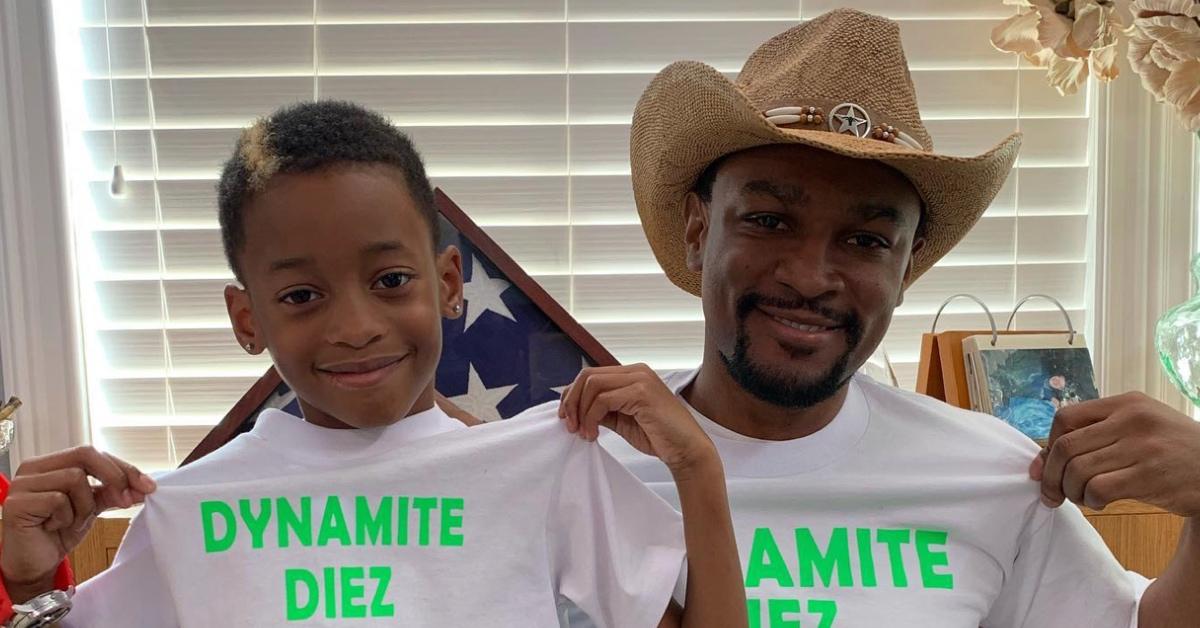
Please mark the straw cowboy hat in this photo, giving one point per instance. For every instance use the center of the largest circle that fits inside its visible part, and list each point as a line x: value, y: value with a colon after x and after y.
x: 839, y: 83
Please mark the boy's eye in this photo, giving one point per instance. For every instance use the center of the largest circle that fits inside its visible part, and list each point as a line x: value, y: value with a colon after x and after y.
x: 300, y: 296
x: 392, y: 280
x: 766, y: 221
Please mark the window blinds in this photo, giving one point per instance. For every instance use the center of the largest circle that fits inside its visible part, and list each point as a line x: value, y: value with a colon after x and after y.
x: 521, y: 109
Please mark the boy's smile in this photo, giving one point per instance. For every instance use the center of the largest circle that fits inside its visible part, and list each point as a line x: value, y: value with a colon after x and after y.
x: 361, y: 373
x: 345, y: 291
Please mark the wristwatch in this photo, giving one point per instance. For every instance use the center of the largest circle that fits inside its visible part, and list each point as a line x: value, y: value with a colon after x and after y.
x: 41, y: 611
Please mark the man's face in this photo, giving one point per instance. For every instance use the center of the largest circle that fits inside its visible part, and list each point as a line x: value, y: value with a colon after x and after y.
x: 803, y: 255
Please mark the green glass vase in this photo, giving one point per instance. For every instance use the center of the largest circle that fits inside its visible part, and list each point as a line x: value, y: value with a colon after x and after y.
x: 1177, y: 339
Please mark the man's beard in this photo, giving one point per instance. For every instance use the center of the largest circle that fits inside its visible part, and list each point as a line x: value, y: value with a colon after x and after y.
x: 780, y: 388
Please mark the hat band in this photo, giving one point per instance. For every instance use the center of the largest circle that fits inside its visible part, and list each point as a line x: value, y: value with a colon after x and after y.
x: 844, y: 119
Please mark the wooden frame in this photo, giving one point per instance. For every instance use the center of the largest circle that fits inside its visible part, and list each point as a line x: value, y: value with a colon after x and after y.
x: 236, y: 420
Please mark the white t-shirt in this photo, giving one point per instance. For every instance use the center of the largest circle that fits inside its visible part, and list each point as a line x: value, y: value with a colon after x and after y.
x: 423, y: 523
x: 903, y: 511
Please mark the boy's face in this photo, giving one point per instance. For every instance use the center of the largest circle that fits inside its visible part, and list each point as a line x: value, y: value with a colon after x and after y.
x: 344, y: 290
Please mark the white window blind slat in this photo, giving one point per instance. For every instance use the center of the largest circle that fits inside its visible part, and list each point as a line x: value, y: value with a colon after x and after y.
x: 443, y: 11
x: 617, y: 10
x: 542, y: 200
x: 153, y: 447
x: 491, y: 47
x: 231, y: 50
x: 493, y: 99
x: 162, y: 12
x: 513, y: 201
x: 914, y: 9
x: 521, y: 109
x: 542, y: 149
x: 514, y: 98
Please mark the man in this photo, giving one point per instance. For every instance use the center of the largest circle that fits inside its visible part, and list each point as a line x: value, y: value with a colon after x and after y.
x: 800, y: 203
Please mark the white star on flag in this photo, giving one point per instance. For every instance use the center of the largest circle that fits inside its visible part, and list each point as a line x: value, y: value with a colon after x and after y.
x: 482, y: 293
x: 481, y: 401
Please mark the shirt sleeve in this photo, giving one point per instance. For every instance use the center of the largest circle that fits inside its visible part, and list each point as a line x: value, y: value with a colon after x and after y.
x: 1064, y: 575
x: 131, y: 592
x: 616, y: 547
x: 1140, y: 583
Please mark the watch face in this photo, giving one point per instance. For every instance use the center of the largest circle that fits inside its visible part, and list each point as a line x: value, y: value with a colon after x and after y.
x: 42, y: 610
x: 6, y: 434
x: 6, y: 422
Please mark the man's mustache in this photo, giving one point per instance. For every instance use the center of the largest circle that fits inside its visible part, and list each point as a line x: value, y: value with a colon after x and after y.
x: 751, y: 301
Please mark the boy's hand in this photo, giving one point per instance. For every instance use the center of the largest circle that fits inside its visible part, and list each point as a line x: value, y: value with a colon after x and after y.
x: 50, y: 508
x: 633, y: 402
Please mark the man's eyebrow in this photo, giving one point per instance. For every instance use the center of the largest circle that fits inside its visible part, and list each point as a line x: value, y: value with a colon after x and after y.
x: 786, y: 194
x: 874, y: 211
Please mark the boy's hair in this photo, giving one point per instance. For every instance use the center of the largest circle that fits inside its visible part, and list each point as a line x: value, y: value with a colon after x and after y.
x: 306, y: 137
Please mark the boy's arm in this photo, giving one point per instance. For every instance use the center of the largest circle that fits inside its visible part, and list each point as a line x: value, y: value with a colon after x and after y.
x: 673, y: 618
x: 633, y: 402
x: 713, y: 565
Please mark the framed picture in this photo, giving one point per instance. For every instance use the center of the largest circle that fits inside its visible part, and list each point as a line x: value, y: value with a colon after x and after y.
x: 1025, y: 379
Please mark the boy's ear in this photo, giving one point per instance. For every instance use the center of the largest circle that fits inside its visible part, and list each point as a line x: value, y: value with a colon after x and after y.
x: 241, y: 316
x: 450, y: 282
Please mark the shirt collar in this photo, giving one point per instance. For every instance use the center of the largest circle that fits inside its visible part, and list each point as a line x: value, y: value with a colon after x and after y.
x: 295, y: 436
x: 745, y: 456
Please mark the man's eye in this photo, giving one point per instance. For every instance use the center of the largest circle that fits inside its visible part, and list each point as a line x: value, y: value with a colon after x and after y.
x: 767, y: 221
x: 299, y: 297
x: 393, y: 280
x: 870, y: 242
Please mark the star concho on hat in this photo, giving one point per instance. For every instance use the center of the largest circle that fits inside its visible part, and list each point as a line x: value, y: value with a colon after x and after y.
x: 851, y: 119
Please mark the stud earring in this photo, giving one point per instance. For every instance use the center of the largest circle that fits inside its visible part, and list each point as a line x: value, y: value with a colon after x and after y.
x: 249, y: 347
x: 458, y: 308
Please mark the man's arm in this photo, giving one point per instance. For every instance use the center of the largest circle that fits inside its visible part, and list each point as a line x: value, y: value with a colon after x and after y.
x: 1133, y: 447
x: 1174, y: 598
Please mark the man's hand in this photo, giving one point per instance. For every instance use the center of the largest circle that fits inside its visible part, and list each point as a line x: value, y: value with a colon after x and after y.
x: 51, y: 507
x: 633, y: 402
x: 1124, y: 447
